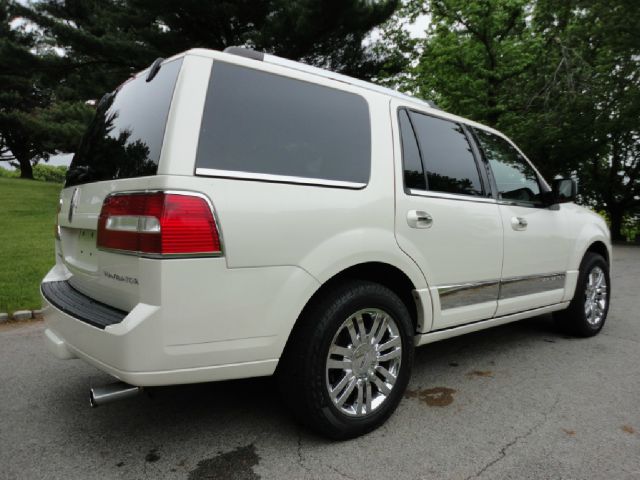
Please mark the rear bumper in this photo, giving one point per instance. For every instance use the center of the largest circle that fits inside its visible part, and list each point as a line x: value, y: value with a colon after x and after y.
x: 64, y: 351
x: 228, y: 333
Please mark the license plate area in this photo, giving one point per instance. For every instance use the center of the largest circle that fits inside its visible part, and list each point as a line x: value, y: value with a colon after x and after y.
x: 79, y: 248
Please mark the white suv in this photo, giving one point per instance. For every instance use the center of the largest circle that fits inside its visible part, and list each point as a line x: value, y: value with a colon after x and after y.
x: 237, y: 214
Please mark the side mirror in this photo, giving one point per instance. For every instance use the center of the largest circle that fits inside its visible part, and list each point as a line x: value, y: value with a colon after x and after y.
x: 564, y: 190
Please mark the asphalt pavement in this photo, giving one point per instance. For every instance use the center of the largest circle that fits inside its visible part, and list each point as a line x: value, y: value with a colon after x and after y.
x: 515, y: 402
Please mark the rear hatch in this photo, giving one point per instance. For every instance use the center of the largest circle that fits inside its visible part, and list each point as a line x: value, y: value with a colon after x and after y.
x: 120, y: 151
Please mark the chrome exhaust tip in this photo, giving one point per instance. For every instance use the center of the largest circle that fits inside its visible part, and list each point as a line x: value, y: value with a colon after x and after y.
x: 112, y: 393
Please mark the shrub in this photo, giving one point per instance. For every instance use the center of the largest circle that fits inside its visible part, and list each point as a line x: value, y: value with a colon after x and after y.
x: 49, y: 173
x: 630, y: 226
x: 4, y: 173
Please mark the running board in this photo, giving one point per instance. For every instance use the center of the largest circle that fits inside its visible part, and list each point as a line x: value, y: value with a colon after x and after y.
x: 483, y: 324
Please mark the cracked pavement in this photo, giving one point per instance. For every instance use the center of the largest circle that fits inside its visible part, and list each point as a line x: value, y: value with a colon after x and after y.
x: 527, y: 402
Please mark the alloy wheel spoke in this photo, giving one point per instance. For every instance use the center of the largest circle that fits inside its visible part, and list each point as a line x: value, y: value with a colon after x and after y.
x: 360, y: 399
x: 338, y: 364
x: 362, y: 332
x: 395, y: 353
x: 347, y: 392
x: 367, y: 395
x: 375, y: 325
x: 342, y: 351
x: 355, y: 341
x: 394, y: 342
x: 340, y: 386
x: 384, y: 389
x: 381, y: 330
x: 389, y: 377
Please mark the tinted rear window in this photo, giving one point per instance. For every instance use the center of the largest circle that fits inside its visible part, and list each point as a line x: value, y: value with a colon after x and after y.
x: 125, y: 136
x: 265, y: 124
x: 447, y: 156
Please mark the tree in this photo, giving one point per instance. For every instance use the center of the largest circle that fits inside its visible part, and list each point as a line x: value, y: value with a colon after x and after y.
x: 562, y: 78
x: 31, y: 126
x: 74, y: 50
x: 597, y: 54
x: 106, y: 40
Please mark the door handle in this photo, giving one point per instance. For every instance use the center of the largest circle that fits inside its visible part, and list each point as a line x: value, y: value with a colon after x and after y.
x: 519, y: 223
x: 419, y: 219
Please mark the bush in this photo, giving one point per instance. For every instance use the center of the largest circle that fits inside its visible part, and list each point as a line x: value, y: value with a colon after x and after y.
x: 630, y: 226
x: 49, y: 173
x: 4, y: 173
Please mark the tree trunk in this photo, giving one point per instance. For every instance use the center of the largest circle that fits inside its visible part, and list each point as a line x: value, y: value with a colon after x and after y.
x: 26, y: 170
x: 615, y: 215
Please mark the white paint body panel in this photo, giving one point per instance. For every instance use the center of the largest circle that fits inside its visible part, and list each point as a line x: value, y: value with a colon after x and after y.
x: 204, y: 319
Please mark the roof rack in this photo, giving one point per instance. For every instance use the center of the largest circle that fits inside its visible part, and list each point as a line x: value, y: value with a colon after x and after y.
x: 303, y: 67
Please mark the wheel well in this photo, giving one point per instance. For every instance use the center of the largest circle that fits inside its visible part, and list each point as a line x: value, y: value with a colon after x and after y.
x: 391, y: 277
x: 599, y: 248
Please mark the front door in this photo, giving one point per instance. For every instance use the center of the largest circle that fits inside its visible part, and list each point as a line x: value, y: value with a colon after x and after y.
x: 445, y: 219
x: 536, y: 244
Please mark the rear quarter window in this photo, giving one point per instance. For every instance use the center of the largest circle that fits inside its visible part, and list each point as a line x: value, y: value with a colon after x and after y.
x: 282, y: 129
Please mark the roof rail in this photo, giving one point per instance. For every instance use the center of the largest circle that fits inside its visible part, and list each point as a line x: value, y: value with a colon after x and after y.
x: 245, y: 52
x: 303, y: 67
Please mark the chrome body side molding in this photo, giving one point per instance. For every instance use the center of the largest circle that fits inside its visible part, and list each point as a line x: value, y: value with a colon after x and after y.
x: 518, y: 286
x: 461, y: 295
x: 465, y: 294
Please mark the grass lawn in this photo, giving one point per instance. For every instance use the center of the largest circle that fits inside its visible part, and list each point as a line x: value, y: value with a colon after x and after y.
x: 27, y: 217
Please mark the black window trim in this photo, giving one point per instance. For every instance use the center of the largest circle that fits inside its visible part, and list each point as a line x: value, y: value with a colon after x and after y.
x: 542, y: 184
x: 287, y: 179
x: 415, y: 138
x: 489, y: 194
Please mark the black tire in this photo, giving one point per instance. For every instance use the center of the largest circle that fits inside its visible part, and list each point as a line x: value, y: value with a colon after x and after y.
x: 303, y: 376
x: 574, y: 320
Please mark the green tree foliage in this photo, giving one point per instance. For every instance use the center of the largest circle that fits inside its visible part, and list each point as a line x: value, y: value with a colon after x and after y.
x: 32, y: 125
x: 79, y: 50
x: 107, y: 40
x: 561, y: 77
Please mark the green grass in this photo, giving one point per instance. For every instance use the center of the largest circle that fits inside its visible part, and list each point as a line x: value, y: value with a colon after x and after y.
x: 27, y: 217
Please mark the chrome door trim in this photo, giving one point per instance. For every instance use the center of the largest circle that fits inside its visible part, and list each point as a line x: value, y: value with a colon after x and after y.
x: 450, y: 196
x: 531, y: 284
x: 463, y: 294
x: 471, y: 293
x: 213, y: 172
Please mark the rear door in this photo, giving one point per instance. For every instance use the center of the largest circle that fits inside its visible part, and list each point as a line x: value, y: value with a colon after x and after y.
x: 536, y: 242
x: 446, y: 220
x: 120, y: 151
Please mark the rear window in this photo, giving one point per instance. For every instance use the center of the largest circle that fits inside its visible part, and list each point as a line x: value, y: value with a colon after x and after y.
x: 265, y: 126
x: 125, y: 137
x: 447, y: 156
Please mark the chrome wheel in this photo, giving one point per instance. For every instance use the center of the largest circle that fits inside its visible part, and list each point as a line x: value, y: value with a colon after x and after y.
x: 363, y: 362
x: 595, y: 296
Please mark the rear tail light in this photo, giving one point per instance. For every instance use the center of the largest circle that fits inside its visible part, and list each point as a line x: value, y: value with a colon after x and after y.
x: 158, y: 224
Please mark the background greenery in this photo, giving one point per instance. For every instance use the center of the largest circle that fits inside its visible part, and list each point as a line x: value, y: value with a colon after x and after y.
x: 561, y: 77
x: 26, y: 225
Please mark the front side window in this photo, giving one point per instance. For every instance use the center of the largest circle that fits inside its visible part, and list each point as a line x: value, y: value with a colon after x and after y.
x: 446, y: 155
x: 515, y: 178
x: 272, y: 126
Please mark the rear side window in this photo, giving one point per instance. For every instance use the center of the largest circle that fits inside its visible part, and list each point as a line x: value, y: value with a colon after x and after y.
x: 515, y: 178
x: 446, y: 155
x: 125, y: 137
x: 267, y: 126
